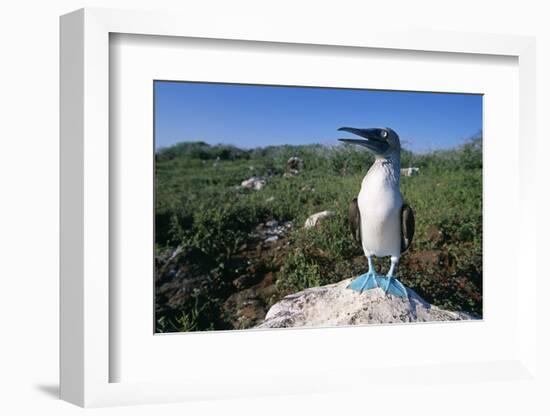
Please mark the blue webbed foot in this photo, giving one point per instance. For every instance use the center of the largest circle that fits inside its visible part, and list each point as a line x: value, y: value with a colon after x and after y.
x: 391, y: 285
x: 364, y: 282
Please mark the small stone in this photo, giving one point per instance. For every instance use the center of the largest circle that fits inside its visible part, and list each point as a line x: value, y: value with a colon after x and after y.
x: 410, y: 171
x: 315, y: 219
x: 254, y: 182
x: 272, y: 223
x: 295, y: 164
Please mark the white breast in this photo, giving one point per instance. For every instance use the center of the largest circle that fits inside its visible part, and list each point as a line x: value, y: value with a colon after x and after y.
x: 380, y: 203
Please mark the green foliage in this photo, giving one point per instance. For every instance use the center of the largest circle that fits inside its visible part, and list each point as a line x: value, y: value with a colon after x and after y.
x: 201, y: 151
x: 300, y: 271
x: 467, y: 156
x: 201, y: 209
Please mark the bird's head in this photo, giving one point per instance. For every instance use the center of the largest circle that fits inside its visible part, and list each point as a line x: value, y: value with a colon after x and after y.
x: 383, y: 142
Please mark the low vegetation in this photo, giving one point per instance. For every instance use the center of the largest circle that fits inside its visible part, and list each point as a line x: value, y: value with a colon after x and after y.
x: 213, y: 272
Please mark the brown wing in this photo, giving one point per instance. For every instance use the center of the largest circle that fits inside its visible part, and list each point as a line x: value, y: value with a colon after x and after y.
x: 355, y: 220
x: 407, y: 227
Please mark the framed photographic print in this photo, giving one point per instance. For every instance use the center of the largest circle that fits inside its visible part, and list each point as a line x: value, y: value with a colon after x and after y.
x: 251, y: 214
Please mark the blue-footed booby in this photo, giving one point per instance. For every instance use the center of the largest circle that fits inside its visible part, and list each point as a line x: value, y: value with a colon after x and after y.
x: 379, y: 220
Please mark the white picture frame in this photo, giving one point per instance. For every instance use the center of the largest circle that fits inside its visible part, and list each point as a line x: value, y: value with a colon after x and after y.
x: 86, y: 354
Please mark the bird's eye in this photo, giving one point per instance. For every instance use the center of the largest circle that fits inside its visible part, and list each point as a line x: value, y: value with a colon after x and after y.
x: 384, y: 134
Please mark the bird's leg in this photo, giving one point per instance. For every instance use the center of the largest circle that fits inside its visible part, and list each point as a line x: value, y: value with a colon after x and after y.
x: 365, y: 281
x: 392, y: 285
x: 371, y: 265
x: 393, y: 266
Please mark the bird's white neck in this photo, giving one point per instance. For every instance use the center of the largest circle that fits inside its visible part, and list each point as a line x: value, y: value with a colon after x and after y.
x: 389, y: 166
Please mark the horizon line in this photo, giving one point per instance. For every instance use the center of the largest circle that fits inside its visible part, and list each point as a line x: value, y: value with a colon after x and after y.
x: 474, y: 136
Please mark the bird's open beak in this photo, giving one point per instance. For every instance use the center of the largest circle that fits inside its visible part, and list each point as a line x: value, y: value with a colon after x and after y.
x: 374, y: 139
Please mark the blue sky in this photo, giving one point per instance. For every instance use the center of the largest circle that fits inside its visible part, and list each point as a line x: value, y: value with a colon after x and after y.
x: 255, y: 116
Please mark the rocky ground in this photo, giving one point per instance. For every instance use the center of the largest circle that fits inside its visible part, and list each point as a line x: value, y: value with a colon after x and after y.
x: 254, y: 292
x: 247, y: 296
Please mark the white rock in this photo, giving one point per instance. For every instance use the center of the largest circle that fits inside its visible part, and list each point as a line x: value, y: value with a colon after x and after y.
x: 271, y: 239
x: 335, y: 305
x: 254, y: 182
x: 315, y: 219
x: 410, y: 171
x: 295, y: 164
